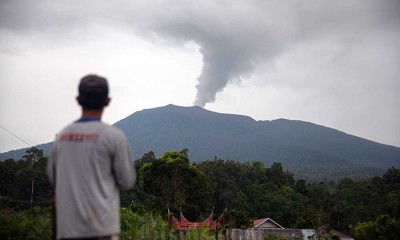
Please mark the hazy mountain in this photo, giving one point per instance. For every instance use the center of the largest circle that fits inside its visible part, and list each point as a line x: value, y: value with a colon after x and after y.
x: 310, y: 151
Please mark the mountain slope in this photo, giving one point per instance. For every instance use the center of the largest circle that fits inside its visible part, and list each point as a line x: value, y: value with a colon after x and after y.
x: 309, y: 150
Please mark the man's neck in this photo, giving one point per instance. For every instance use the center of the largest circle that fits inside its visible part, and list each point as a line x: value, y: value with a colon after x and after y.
x: 92, y: 113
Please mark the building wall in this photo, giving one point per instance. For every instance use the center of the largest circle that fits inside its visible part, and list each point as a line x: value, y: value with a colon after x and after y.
x: 259, y: 234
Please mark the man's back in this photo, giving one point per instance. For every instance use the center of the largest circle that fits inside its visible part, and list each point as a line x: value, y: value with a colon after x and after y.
x: 90, y: 162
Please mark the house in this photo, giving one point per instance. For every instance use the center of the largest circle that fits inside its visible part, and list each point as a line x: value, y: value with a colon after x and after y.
x: 287, y: 233
x: 266, y: 223
x: 261, y: 233
x: 265, y: 226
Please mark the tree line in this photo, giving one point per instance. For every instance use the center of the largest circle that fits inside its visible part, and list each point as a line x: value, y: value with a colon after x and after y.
x: 242, y: 191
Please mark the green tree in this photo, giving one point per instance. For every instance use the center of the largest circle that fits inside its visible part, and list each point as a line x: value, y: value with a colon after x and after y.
x: 392, y: 177
x: 285, y: 205
x: 40, y: 186
x: 321, y: 196
x: 148, y: 157
x: 393, y: 203
x: 301, y: 186
x: 30, y: 181
x: 31, y: 224
x: 236, y: 218
x: 278, y: 176
x: 309, y: 218
x: 225, y: 184
x: 383, y: 228
x: 175, y: 182
x: 8, y: 169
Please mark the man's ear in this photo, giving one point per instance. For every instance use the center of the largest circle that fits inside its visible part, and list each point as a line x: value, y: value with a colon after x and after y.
x: 107, y: 101
x: 79, y: 100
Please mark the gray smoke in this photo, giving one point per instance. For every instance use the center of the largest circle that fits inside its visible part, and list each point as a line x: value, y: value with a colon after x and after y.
x: 235, y: 37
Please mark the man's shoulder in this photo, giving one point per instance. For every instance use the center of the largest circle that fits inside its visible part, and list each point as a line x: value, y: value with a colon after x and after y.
x: 98, y: 126
x: 95, y: 126
x: 112, y: 130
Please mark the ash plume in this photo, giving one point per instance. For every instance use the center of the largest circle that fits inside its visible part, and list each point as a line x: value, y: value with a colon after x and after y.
x: 234, y: 37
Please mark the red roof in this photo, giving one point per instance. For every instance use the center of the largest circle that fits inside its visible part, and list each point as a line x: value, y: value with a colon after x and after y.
x: 184, y: 224
x: 259, y: 221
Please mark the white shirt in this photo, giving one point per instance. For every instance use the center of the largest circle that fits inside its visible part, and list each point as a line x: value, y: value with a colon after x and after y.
x: 89, y: 163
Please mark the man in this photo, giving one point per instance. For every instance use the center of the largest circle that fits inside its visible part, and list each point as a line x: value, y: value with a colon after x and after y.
x: 89, y: 163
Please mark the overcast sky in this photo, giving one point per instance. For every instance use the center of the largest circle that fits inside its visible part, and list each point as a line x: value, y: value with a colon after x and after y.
x: 333, y: 63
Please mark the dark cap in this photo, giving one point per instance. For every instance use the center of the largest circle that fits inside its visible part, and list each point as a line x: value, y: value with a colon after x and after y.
x: 93, y: 91
x: 93, y: 83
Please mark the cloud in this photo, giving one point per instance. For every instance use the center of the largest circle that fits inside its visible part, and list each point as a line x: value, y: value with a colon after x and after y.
x: 231, y: 44
x: 234, y: 37
x: 340, y: 57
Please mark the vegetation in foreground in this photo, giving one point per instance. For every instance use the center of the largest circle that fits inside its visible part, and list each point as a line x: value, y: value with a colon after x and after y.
x: 366, y: 209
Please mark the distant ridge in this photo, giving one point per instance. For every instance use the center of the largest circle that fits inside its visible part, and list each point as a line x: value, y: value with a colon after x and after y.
x: 19, y: 153
x: 310, y: 151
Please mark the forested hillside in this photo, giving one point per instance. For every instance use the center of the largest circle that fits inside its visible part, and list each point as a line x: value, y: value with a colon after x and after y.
x: 242, y: 191
x: 310, y: 151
